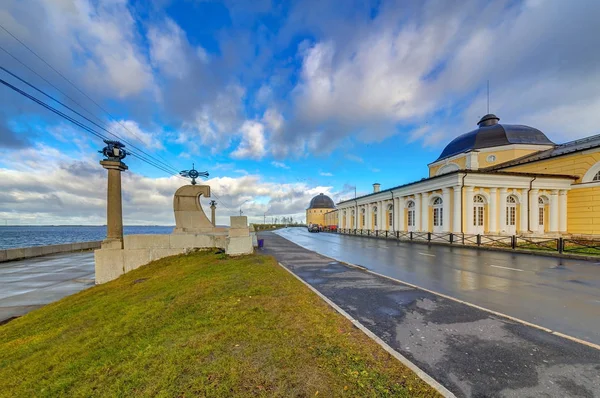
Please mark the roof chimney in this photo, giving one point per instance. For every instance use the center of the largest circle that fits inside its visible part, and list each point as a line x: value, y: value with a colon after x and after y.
x: 376, y: 187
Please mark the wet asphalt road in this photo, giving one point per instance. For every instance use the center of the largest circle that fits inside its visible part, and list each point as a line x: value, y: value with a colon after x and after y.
x: 470, y: 351
x: 560, y: 294
x: 32, y: 283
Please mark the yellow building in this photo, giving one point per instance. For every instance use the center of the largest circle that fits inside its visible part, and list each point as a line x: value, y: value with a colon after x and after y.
x: 319, y: 206
x: 498, y: 179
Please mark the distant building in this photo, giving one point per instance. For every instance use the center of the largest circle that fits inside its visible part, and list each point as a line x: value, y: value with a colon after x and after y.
x: 319, y: 206
x: 496, y: 179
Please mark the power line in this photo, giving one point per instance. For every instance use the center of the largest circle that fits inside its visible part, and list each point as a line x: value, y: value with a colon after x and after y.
x: 71, y: 83
x: 84, y: 117
x: 79, y: 124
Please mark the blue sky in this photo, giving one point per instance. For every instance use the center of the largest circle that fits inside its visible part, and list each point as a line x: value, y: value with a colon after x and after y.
x: 279, y: 101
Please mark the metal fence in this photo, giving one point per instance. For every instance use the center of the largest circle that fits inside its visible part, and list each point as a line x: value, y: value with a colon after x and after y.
x: 582, y: 246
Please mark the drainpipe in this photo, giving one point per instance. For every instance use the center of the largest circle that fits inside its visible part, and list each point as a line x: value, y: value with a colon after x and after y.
x: 462, y: 217
x: 529, y: 206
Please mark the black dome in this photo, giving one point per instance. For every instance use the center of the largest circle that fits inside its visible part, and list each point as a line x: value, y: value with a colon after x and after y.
x: 490, y: 134
x: 321, y: 202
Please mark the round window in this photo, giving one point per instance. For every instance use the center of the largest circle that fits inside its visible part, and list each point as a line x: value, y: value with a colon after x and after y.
x: 491, y: 158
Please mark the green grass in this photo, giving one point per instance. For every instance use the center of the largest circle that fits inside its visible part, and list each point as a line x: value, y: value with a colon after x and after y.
x: 197, y: 325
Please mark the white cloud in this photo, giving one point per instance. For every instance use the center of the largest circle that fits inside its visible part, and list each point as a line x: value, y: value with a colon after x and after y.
x: 169, y: 50
x: 279, y: 165
x: 325, y: 174
x: 354, y: 158
x: 131, y: 131
x: 253, y: 144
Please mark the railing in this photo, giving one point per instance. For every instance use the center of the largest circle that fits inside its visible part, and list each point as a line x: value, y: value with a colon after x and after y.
x: 580, y: 246
x: 575, y: 245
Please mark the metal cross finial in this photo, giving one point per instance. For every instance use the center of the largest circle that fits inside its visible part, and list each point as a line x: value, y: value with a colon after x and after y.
x: 193, y: 174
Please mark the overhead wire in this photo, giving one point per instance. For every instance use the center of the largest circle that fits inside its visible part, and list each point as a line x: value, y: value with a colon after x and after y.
x: 71, y: 83
x: 159, y: 164
x: 84, y: 117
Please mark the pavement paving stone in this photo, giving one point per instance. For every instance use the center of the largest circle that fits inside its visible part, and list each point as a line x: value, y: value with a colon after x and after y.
x: 470, y: 351
x: 29, y: 284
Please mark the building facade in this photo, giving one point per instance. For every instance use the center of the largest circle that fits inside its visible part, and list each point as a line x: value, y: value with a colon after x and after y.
x: 499, y: 180
x: 319, y: 206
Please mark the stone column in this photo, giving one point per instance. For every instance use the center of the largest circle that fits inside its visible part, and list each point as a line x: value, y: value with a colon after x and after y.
x: 492, y: 222
x: 446, y: 210
x: 524, y: 208
x: 457, y: 216
x: 534, y: 195
x: 562, y: 210
x: 418, y: 200
x: 425, y: 212
x: 553, y: 227
x: 469, y: 209
x: 213, y: 208
x: 503, y: 195
x: 114, y: 205
x: 399, y: 210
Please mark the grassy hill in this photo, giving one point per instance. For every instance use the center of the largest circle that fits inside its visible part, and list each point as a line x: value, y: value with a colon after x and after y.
x: 197, y: 325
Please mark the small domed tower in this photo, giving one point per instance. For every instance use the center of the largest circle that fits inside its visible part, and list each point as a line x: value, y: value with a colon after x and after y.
x: 319, y: 205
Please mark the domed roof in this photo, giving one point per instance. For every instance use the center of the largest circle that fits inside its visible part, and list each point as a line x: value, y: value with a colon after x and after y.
x: 321, y: 202
x: 490, y: 134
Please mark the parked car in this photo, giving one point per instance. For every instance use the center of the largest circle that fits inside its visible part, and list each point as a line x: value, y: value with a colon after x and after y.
x: 313, y: 228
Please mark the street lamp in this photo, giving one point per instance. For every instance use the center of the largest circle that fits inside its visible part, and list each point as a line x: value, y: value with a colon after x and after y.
x: 247, y: 200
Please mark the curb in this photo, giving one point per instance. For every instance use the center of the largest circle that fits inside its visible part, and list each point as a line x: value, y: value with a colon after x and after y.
x: 405, y: 361
x: 512, y: 318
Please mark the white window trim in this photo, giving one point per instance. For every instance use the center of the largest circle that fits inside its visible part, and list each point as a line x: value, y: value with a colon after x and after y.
x: 587, y: 177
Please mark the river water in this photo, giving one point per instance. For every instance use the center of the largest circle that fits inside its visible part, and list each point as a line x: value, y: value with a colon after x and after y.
x: 25, y: 236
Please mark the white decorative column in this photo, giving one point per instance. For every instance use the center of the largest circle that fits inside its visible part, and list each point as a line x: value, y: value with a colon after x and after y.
x: 425, y: 212
x: 562, y: 211
x: 524, y: 210
x: 503, y: 195
x: 469, y: 209
x: 418, y: 202
x: 534, y: 195
x: 493, y: 224
x: 339, y: 221
x: 457, y: 216
x: 553, y: 227
x: 446, y: 210
x: 399, y: 209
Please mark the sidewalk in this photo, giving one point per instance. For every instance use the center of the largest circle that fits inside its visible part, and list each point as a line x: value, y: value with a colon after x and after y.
x: 469, y: 351
x: 32, y: 283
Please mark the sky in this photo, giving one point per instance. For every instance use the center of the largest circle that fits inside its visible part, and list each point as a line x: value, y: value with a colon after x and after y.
x: 278, y: 101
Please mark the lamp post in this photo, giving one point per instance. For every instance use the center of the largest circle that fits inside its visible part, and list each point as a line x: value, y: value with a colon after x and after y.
x: 247, y: 200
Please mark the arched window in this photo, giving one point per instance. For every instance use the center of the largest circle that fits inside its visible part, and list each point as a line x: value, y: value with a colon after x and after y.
x: 592, y: 174
x: 448, y: 168
x: 596, y: 177
x: 478, y: 208
x: 362, y: 218
x: 438, y: 219
x: 375, y: 216
x: 390, y: 210
x: 411, y: 213
x: 511, y: 213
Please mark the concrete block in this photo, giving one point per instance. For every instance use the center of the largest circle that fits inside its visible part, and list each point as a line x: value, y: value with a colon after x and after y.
x: 132, y: 242
x: 48, y: 249
x: 2, y: 255
x: 14, y: 254
x: 135, y: 258
x: 238, y: 221
x: 236, y: 232
x: 156, y: 254
x: 112, y: 244
x: 237, y: 246
x: 108, y: 264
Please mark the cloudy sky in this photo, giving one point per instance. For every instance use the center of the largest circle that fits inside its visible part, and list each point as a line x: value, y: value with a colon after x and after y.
x: 279, y: 101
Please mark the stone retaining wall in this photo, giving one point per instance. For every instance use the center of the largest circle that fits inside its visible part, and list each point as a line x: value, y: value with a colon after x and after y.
x: 36, y: 251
